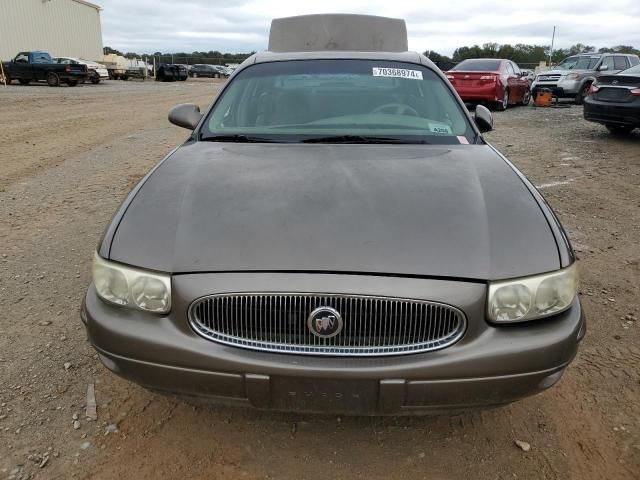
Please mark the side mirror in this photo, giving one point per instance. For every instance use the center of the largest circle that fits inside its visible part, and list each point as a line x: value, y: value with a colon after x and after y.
x: 483, y: 119
x: 185, y: 115
x: 603, y: 67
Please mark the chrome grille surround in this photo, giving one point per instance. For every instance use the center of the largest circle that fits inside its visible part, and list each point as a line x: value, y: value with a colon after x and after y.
x: 373, y: 326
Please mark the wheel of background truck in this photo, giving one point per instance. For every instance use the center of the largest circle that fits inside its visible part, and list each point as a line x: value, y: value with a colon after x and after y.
x: 95, y: 80
x: 72, y: 83
x: 526, y: 99
x: 52, y: 79
x: 582, y: 94
x: 619, y: 129
x: 504, y: 104
x: 7, y: 79
x: 24, y: 81
x: 124, y: 77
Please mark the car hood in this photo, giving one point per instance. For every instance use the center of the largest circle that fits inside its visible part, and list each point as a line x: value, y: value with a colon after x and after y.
x: 442, y: 211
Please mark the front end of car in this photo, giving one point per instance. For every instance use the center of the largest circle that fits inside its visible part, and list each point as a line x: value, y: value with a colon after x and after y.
x: 336, y: 237
x: 379, y: 345
x: 563, y: 84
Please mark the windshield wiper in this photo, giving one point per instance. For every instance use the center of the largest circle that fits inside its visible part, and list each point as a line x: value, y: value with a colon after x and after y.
x: 237, y: 138
x: 360, y: 139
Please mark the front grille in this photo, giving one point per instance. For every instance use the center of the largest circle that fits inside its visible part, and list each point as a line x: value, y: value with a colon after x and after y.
x: 549, y: 78
x: 371, y: 325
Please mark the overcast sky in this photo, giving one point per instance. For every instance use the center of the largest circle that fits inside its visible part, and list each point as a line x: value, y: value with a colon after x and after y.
x: 146, y: 26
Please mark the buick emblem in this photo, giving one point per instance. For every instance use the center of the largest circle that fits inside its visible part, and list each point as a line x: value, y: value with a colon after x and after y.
x: 615, y: 82
x: 325, y: 322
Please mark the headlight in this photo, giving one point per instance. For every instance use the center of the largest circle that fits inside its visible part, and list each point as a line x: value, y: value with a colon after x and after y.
x: 530, y: 298
x: 131, y: 287
x: 572, y: 76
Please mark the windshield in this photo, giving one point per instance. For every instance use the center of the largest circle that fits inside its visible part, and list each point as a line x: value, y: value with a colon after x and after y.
x: 631, y: 71
x: 578, y: 63
x: 356, y: 100
x: 477, y: 65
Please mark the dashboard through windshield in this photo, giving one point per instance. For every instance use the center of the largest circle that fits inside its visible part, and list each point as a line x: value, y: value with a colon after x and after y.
x: 338, y: 101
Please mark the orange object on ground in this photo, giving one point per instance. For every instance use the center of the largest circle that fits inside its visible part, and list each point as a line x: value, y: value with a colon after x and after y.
x: 544, y: 99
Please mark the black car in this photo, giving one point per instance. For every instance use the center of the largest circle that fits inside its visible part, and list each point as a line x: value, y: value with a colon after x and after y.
x: 203, y: 70
x: 614, y: 101
x: 169, y: 72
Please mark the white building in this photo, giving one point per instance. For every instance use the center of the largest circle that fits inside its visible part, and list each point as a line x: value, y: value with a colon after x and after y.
x: 66, y: 28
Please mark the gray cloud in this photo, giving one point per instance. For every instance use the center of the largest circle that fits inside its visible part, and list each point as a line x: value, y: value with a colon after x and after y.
x: 146, y: 26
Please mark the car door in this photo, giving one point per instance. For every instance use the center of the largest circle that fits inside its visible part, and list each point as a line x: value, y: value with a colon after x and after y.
x: 512, y: 83
x: 523, y: 83
x: 608, y: 63
x: 22, y: 67
x: 620, y: 62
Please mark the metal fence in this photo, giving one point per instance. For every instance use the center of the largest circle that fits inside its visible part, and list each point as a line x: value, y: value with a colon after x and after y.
x: 191, y: 60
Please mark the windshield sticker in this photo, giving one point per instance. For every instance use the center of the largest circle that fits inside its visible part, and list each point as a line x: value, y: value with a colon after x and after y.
x: 463, y: 140
x: 440, y: 128
x: 397, y: 73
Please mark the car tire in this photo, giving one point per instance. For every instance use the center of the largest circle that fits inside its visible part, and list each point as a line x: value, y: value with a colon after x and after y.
x: 582, y: 94
x: 24, y: 81
x: 95, y: 81
x: 53, y: 80
x: 619, y: 129
x: 72, y: 83
x: 526, y: 99
x: 7, y: 79
x: 504, y: 104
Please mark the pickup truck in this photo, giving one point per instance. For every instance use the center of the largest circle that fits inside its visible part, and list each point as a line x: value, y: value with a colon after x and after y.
x: 27, y: 67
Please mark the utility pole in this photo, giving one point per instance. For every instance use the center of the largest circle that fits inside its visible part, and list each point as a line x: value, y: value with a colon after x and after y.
x: 553, y: 38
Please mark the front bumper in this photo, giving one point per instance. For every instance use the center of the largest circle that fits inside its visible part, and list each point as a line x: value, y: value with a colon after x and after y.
x: 489, y: 366
x: 560, y: 89
x: 611, y: 113
x: 102, y: 73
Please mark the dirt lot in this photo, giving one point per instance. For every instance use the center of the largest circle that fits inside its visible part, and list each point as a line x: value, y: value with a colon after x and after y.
x: 69, y: 156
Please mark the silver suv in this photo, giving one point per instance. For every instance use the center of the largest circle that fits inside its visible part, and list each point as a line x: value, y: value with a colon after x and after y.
x: 573, y: 77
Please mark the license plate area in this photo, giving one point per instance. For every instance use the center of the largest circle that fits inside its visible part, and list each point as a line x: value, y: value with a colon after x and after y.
x: 324, y: 395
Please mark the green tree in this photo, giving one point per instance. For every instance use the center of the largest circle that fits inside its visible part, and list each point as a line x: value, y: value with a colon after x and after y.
x: 109, y: 50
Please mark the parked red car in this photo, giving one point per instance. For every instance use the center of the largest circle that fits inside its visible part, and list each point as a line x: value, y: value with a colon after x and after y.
x: 490, y: 80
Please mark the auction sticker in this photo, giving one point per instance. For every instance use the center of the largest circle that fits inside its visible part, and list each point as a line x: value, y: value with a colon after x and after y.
x: 397, y: 73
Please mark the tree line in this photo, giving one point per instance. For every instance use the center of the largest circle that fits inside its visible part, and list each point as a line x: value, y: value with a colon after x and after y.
x: 213, y: 57
x: 522, y: 54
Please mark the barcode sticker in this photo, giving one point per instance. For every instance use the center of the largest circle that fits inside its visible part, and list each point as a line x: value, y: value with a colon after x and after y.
x: 397, y: 73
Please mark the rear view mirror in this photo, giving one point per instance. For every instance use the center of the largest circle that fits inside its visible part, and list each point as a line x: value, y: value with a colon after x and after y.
x: 483, y: 119
x: 603, y: 67
x: 185, y: 115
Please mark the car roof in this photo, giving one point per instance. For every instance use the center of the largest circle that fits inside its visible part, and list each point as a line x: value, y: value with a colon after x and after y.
x: 487, y: 58
x: 410, y: 57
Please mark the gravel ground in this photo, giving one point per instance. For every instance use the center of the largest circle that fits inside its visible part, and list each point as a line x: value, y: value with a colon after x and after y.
x: 70, y: 155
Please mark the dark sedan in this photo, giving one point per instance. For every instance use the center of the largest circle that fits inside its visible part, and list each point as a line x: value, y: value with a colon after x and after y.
x: 204, y: 70
x: 170, y: 72
x: 336, y: 235
x: 614, y: 101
